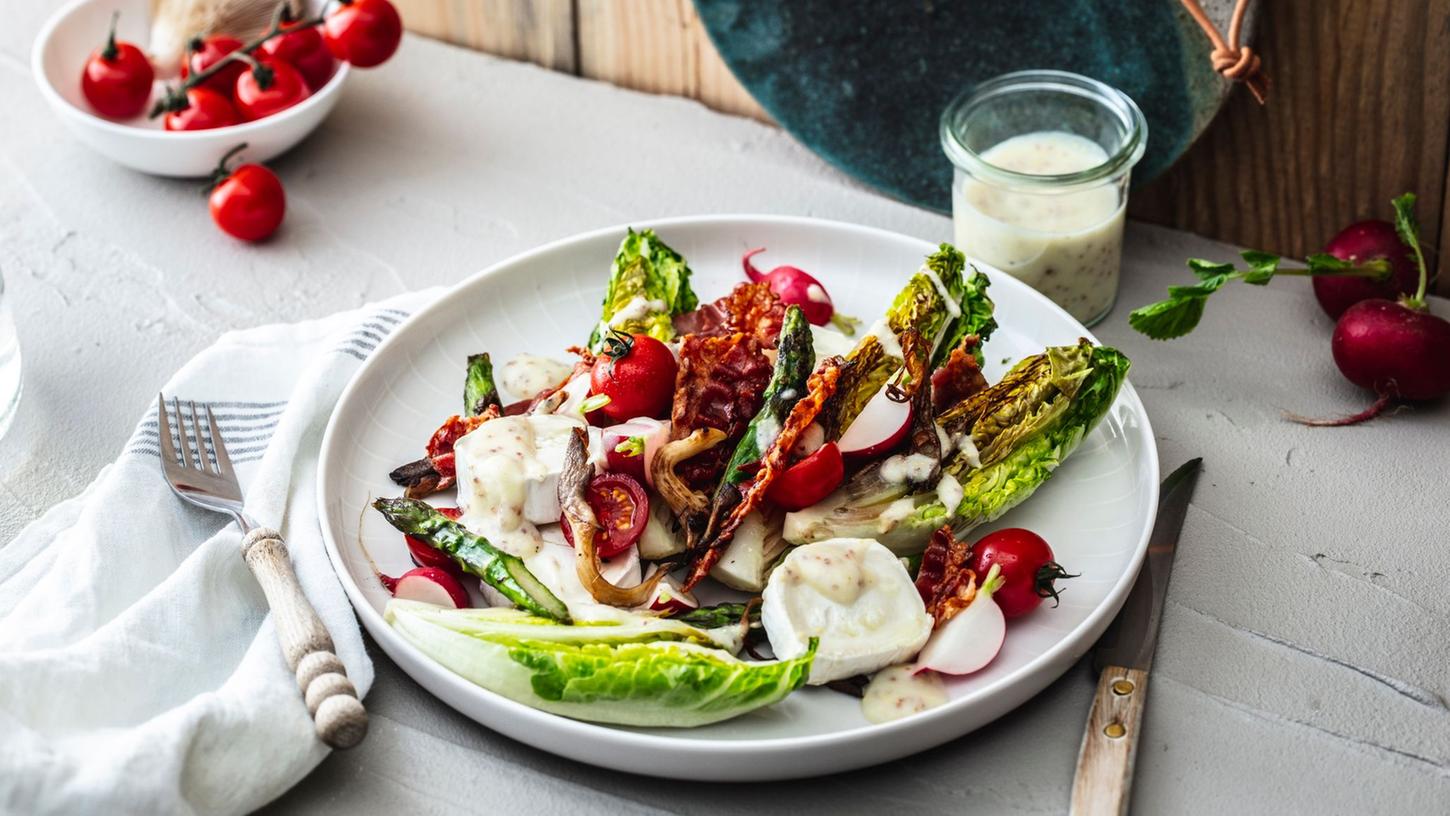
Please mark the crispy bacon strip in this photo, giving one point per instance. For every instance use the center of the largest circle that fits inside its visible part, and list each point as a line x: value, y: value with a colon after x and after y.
x: 945, y: 583
x: 435, y: 471
x: 774, y: 460
x: 958, y: 378
x: 750, y: 308
x: 720, y: 385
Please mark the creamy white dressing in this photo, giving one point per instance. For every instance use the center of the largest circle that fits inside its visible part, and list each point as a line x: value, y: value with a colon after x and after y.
x: 527, y: 374
x: 638, y: 308
x: 1067, y: 245
x: 553, y: 563
x: 881, y: 330
x: 855, y: 596
x: 896, y: 692
x: 895, y: 512
x: 766, y: 430
x: 949, y: 491
x: 963, y: 442
x: 508, y: 474
x: 953, y: 307
x: 915, y: 467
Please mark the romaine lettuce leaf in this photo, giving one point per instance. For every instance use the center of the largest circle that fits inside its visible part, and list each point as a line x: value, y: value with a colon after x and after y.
x: 648, y: 285
x: 645, y: 672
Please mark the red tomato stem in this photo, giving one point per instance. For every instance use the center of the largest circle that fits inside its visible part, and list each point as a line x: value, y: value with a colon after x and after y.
x: 110, y: 52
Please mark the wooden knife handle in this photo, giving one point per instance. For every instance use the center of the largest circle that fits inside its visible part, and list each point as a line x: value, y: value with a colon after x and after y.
x: 1110, y: 744
x: 331, y: 699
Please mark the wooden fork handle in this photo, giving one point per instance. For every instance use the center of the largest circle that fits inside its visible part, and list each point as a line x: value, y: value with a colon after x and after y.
x: 1110, y: 744
x: 338, y: 714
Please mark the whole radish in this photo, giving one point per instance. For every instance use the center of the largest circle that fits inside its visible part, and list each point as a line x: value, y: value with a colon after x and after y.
x: 1359, y: 243
x: 796, y: 287
x: 1395, y: 348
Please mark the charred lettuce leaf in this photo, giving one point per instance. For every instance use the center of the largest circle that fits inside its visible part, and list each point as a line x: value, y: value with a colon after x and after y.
x: 1006, y: 441
x: 648, y: 285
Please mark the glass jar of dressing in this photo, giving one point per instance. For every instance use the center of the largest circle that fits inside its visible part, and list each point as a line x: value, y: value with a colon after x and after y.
x: 1042, y: 161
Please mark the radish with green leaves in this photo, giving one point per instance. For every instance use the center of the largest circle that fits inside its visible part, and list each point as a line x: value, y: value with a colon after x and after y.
x: 1396, y: 348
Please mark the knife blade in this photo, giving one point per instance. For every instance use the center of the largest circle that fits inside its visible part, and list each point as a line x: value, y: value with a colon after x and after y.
x: 1133, y: 635
x: 1122, y: 659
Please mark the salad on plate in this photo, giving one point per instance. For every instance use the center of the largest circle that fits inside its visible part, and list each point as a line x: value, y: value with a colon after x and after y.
x: 709, y: 506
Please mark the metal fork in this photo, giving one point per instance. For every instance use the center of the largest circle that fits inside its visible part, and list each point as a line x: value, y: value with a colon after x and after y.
x: 331, y: 699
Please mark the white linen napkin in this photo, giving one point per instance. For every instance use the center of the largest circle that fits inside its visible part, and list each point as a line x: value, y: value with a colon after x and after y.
x: 139, y: 672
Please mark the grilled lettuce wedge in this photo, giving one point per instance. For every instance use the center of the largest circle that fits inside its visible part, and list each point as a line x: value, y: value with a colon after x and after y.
x: 1002, y: 444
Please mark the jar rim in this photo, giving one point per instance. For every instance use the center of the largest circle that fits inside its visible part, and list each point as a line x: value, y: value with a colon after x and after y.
x: 1116, y: 102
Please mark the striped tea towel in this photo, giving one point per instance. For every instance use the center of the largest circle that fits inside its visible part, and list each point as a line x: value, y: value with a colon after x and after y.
x: 139, y: 672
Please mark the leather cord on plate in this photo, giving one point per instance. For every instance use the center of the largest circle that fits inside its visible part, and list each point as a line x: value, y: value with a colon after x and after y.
x: 1236, y: 62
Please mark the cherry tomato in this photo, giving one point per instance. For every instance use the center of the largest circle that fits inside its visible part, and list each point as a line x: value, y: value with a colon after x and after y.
x: 809, y: 480
x: 622, y: 508
x: 426, y: 556
x: 117, y: 78
x: 271, y: 87
x: 205, y: 109
x: 204, y: 53
x: 363, y: 32
x: 249, y: 203
x: 1028, y: 569
x: 637, y: 373
x: 304, y: 50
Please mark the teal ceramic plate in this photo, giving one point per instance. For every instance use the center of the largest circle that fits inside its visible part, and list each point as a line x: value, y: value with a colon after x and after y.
x: 863, y: 84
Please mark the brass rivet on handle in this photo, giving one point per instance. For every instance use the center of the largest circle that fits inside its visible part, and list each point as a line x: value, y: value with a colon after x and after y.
x: 1121, y: 687
x: 1115, y: 730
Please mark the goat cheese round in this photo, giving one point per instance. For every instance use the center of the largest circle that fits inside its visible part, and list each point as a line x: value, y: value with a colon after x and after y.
x: 852, y: 594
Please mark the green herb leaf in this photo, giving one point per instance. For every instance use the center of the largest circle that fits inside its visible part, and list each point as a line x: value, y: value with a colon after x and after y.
x: 1409, y: 229
x: 1169, y: 318
x: 1208, y: 269
x: 1262, y: 266
x: 633, y: 446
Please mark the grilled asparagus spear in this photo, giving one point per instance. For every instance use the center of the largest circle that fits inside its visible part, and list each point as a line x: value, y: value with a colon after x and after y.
x: 500, y: 570
x: 479, y: 390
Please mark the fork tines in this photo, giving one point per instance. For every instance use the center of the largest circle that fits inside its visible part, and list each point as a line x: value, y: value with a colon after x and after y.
x: 189, y: 457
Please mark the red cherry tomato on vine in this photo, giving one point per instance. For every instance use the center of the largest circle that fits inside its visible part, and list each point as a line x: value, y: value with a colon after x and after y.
x: 271, y: 87
x: 117, y: 78
x: 1027, y: 566
x: 203, y: 53
x: 809, y: 480
x: 363, y: 32
x: 248, y: 203
x: 205, y: 109
x: 304, y: 50
x: 621, y: 507
x: 637, y: 373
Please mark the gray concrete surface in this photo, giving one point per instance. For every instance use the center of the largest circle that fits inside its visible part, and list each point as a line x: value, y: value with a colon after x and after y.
x: 1306, y: 641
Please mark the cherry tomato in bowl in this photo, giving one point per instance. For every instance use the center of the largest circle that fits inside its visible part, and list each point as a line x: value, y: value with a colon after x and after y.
x: 204, y: 52
x: 271, y: 87
x: 117, y: 78
x: 637, y: 373
x: 363, y: 32
x: 248, y: 202
x: 810, y: 480
x: 303, y: 49
x: 1028, y: 569
x: 205, y: 109
x: 621, y: 507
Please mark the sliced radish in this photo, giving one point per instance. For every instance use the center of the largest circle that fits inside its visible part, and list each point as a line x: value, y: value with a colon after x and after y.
x: 972, y: 638
x: 433, y: 586
x: 426, y: 556
x: 654, y: 432
x: 671, y: 598
x: 881, y: 426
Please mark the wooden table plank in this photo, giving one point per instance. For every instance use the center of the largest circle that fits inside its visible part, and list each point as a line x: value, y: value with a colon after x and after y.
x: 1358, y: 113
x: 539, y: 31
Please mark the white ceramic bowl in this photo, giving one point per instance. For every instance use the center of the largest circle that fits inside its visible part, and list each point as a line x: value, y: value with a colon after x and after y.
x: 1097, y: 510
x: 70, y: 36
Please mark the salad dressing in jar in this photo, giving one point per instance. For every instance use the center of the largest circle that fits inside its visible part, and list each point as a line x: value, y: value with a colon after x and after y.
x: 1043, y: 160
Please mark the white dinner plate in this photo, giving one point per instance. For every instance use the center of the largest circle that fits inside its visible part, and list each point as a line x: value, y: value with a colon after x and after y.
x: 1097, y: 510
